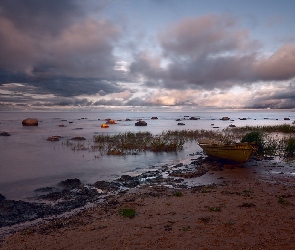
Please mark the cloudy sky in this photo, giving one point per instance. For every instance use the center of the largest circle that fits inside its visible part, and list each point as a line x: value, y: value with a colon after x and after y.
x: 147, y: 53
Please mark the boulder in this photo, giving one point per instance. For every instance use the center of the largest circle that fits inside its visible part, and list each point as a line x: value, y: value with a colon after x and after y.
x: 78, y: 138
x: 2, y: 197
x: 104, y: 125
x: 107, y: 186
x: 110, y: 121
x: 141, y: 123
x: 180, y: 123
x: 5, y: 134
x: 70, y: 183
x: 154, y: 118
x: 53, y: 138
x: 30, y: 122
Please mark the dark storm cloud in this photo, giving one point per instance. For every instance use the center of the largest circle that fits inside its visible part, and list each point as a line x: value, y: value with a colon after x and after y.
x: 59, y: 37
x: 211, y: 52
x: 62, y: 102
x: 283, y: 99
x: 58, y: 48
x: 60, y: 86
x: 35, y: 16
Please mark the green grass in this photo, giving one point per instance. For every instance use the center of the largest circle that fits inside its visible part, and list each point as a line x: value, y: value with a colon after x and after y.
x: 177, y: 194
x: 127, y: 212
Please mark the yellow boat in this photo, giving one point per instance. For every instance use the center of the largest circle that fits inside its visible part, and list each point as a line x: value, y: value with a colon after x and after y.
x: 235, y: 152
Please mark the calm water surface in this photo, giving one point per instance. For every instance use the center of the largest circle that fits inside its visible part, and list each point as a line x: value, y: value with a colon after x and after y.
x: 28, y: 161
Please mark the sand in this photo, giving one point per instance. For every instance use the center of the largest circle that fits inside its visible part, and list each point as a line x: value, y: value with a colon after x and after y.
x: 248, y: 210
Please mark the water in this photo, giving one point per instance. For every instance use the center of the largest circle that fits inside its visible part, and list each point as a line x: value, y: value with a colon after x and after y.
x: 28, y: 161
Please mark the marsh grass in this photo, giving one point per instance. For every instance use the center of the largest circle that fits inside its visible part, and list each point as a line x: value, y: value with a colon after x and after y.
x: 268, y: 140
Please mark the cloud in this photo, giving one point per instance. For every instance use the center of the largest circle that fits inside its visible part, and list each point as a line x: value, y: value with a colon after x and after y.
x: 56, y: 38
x: 279, y: 66
x: 273, y: 95
x: 211, y: 52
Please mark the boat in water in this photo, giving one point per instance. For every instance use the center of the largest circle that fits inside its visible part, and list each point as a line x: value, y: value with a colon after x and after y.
x: 233, y: 152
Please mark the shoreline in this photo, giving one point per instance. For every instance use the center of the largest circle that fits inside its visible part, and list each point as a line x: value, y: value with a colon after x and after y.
x: 249, y: 208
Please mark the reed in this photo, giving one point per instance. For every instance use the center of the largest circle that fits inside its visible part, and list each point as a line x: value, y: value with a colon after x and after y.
x: 270, y: 140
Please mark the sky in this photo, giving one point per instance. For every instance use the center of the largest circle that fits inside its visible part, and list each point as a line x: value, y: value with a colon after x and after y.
x: 188, y: 54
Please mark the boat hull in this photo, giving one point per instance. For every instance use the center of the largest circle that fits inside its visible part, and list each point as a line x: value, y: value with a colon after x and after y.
x: 240, y: 152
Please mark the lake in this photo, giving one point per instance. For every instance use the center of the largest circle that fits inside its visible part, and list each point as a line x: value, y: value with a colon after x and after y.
x: 28, y: 161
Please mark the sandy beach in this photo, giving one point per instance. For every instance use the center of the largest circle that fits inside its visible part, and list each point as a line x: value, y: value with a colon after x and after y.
x: 249, y: 209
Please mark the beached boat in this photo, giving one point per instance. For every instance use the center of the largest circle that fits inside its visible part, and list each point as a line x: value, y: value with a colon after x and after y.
x: 235, y: 152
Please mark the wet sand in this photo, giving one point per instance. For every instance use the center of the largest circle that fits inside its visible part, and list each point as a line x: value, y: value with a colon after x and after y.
x: 248, y: 209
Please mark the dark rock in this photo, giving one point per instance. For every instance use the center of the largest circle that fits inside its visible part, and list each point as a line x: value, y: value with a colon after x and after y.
x: 5, y: 134
x: 30, y: 122
x: 128, y: 120
x: 70, y: 183
x: 129, y: 181
x: 78, y: 138
x: 194, y: 118
x: 2, y: 197
x: 45, y: 189
x: 286, y: 119
x: 141, y: 123
x: 154, y: 118
x: 180, y: 123
x: 107, y: 186
x: 225, y: 118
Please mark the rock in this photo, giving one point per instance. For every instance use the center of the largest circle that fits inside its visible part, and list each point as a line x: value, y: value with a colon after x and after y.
x: 5, y: 134
x: 53, y: 138
x: 286, y: 119
x: 110, y: 121
x: 2, y: 197
x: 194, y: 118
x: 78, y: 138
x: 232, y: 126
x: 129, y: 181
x: 70, y: 183
x: 225, y: 118
x: 180, y: 123
x: 30, y: 122
x: 141, y: 123
x: 154, y: 118
x: 104, y: 125
x: 128, y: 120
x: 45, y: 189
x: 105, y: 185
